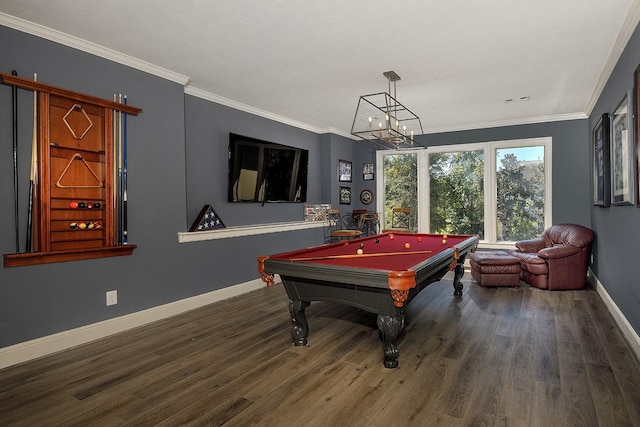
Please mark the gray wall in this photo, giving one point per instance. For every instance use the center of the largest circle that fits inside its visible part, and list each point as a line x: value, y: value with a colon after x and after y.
x: 571, y: 197
x: 618, y: 227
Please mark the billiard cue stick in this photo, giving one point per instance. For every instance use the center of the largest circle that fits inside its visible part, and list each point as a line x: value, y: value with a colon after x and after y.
x: 117, y: 199
x: 120, y: 190
x: 33, y: 179
x: 14, y: 110
x: 318, y: 258
x: 114, y: 173
x: 125, y: 237
x: 117, y: 171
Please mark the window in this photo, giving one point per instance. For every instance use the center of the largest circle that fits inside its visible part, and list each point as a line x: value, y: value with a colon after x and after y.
x: 498, y: 190
x: 400, y: 186
x: 456, y: 192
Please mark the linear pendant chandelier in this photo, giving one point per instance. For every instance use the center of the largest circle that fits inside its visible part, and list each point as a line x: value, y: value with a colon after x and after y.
x: 381, y: 119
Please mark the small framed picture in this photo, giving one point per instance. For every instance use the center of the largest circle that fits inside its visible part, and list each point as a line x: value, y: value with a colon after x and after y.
x: 344, y: 170
x: 601, y: 163
x: 367, y: 172
x: 345, y: 195
x: 622, y: 153
x: 636, y: 129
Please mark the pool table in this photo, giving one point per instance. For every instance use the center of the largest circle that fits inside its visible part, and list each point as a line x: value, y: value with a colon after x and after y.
x: 379, y: 273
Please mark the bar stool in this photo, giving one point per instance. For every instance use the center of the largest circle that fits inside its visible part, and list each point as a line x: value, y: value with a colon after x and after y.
x: 400, y: 220
x: 335, y: 230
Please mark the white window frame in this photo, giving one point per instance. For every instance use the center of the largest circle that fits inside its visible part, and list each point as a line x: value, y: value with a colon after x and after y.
x: 490, y: 182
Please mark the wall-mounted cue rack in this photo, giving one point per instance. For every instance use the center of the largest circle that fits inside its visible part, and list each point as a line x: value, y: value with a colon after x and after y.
x: 77, y: 200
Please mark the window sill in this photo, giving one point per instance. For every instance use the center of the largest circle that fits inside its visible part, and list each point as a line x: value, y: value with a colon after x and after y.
x: 250, y: 230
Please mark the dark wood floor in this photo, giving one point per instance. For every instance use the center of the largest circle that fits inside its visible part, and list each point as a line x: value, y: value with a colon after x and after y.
x: 506, y: 357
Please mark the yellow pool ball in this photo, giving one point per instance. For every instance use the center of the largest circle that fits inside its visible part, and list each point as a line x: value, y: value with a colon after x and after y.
x: 444, y: 241
x: 359, y: 251
x: 407, y: 245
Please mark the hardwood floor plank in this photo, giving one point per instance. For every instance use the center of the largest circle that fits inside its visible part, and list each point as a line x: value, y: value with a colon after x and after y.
x: 607, y: 397
x: 576, y: 399
x: 519, y: 373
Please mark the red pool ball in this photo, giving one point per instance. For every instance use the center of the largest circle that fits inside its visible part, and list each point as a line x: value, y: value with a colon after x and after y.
x: 73, y: 205
x: 391, y: 236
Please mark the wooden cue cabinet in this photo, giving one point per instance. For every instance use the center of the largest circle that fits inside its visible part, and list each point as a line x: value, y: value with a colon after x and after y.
x: 75, y: 204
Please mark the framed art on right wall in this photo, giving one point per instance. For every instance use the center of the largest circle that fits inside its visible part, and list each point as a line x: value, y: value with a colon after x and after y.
x: 601, y: 166
x: 622, y: 153
x: 636, y: 128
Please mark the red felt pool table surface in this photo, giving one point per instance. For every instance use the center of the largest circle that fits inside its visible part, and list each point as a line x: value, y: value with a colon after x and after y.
x: 380, y: 252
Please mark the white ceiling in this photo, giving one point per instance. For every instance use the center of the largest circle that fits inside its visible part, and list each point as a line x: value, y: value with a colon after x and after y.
x: 308, y: 61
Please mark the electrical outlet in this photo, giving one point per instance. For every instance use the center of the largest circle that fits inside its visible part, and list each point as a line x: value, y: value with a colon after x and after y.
x: 112, y: 297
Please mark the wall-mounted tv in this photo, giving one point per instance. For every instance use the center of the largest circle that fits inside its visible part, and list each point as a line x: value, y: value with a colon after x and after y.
x: 263, y: 171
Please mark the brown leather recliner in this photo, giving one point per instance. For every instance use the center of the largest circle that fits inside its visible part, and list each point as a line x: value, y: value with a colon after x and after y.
x: 558, y: 259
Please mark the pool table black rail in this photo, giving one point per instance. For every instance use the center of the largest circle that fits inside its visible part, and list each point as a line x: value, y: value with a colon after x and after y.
x: 366, y: 276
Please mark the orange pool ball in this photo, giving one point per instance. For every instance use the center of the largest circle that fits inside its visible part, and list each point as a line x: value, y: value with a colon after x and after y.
x: 444, y: 236
x: 407, y: 245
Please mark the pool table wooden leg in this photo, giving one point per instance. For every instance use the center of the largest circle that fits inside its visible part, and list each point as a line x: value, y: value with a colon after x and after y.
x: 457, y: 278
x: 299, y: 325
x: 390, y: 327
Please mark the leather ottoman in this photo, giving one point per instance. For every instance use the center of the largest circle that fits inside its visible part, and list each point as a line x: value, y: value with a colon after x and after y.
x: 495, y: 268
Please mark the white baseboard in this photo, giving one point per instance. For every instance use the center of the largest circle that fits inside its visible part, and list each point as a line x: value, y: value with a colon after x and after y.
x: 625, y: 327
x: 29, y: 350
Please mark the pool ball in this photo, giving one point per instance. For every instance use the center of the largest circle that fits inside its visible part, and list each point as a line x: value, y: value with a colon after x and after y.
x: 391, y: 236
x: 444, y: 236
x: 90, y: 225
x: 82, y: 205
x: 419, y: 239
x: 377, y: 240
x: 73, y: 205
x: 359, y: 251
x: 407, y: 245
x: 89, y: 205
x: 361, y: 245
x: 444, y: 241
x: 73, y: 225
x: 97, y: 205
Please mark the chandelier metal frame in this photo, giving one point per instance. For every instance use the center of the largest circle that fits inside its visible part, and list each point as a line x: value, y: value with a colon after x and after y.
x: 382, y: 119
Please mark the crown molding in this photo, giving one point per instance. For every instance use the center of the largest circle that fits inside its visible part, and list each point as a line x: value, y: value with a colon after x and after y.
x: 86, y: 46
x: 200, y: 93
x: 628, y: 27
x: 503, y: 123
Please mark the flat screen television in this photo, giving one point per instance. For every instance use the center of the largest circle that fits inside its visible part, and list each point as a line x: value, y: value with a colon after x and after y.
x: 262, y: 171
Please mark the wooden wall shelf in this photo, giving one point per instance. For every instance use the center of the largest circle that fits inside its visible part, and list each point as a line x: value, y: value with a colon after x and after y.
x: 35, y: 258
